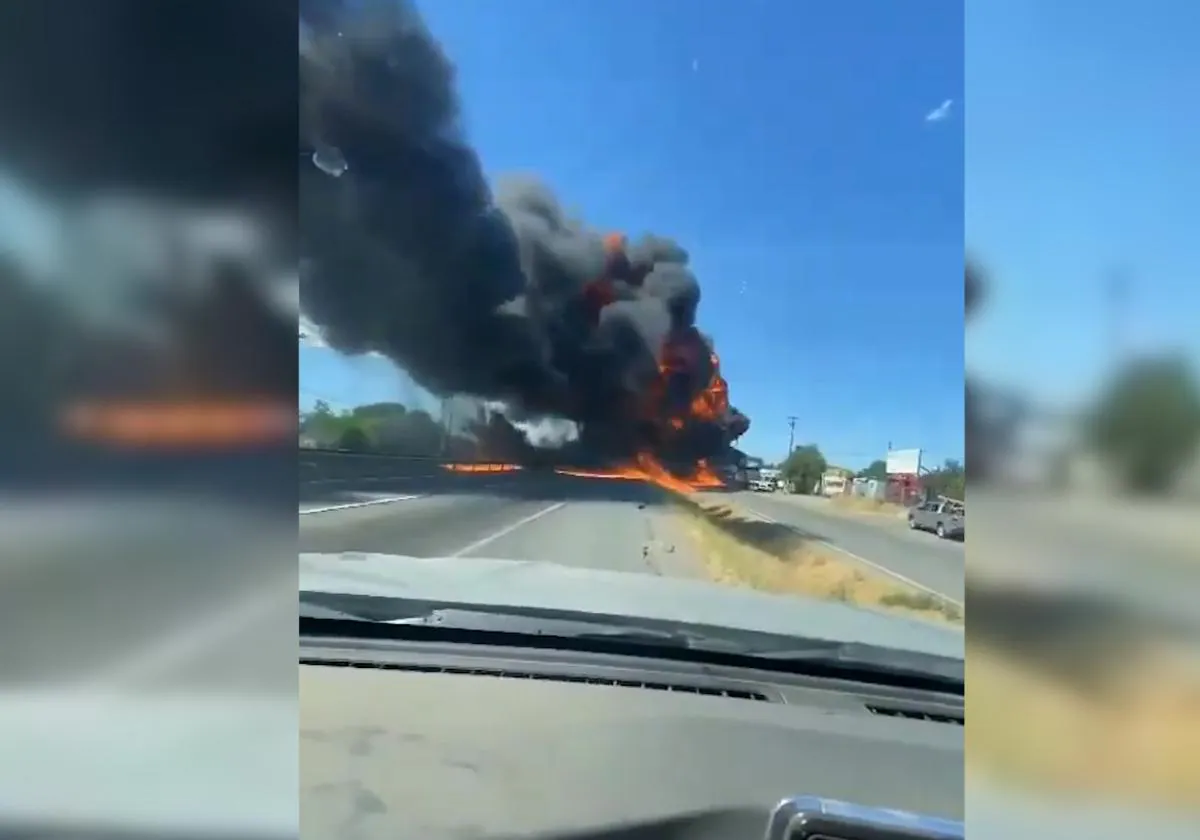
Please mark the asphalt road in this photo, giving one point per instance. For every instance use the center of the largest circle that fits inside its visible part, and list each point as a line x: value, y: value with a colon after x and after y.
x: 1032, y: 541
x: 583, y: 522
x: 129, y: 593
x: 594, y: 523
x: 135, y: 592
x: 148, y: 675
x: 885, y: 546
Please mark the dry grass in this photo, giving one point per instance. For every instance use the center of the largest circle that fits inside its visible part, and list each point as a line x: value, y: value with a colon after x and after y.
x: 858, y: 504
x: 744, y: 551
x: 1135, y: 734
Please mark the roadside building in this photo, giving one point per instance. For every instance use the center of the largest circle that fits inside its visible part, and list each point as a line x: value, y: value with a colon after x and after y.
x: 835, y: 482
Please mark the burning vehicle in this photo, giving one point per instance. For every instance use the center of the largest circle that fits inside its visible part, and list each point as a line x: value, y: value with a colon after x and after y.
x: 496, y: 292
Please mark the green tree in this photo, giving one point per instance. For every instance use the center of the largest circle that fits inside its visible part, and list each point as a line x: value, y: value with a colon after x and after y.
x: 385, y: 426
x: 876, y: 470
x: 950, y: 479
x: 379, y: 411
x: 1146, y: 424
x: 413, y: 433
x: 804, y: 467
x: 321, y: 424
x: 354, y: 439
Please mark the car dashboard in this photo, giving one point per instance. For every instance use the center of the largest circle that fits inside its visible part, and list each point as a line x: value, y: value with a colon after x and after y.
x: 435, y: 740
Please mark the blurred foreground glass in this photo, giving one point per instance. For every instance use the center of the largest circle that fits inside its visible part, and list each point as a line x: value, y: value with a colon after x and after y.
x: 147, y: 461
x: 1083, y: 568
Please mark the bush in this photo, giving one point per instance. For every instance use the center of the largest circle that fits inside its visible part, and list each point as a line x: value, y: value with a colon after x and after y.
x: 1147, y: 423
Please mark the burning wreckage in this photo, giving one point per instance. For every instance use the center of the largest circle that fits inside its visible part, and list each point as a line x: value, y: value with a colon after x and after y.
x: 409, y: 252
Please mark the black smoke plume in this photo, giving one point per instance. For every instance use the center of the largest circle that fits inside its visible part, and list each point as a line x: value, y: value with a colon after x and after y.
x: 102, y: 163
x: 499, y: 294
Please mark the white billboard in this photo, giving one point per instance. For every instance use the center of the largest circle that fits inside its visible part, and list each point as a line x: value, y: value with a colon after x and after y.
x: 904, y: 461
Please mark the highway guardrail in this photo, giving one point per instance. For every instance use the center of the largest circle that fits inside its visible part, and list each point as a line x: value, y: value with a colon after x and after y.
x: 331, y: 466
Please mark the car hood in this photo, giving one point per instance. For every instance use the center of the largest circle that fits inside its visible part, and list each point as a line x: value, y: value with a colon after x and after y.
x: 462, y: 581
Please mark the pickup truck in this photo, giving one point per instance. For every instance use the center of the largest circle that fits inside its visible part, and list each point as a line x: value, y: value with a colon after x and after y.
x: 947, y: 519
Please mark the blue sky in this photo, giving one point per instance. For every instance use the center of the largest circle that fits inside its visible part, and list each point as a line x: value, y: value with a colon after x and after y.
x: 785, y: 146
x: 1081, y: 164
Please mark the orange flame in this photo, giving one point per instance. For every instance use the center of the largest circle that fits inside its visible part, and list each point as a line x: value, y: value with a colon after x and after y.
x: 713, y: 402
x: 710, y: 405
x: 705, y: 476
x: 614, y: 242
x: 179, y: 424
x: 629, y: 473
x: 680, y: 354
x: 480, y: 468
x: 646, y: 468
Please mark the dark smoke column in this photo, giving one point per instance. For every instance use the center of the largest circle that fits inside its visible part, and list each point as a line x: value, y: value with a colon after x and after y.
x: 408, y: 252
x: 739, y: 424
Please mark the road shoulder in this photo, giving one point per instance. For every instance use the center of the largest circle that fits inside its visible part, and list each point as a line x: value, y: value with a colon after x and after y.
x: 672, y: 551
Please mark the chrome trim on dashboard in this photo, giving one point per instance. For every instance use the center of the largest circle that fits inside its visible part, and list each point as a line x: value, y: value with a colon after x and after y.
x: 790, y: 814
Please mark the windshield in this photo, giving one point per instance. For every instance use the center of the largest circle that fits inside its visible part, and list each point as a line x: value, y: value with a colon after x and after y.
x: 617, y: 292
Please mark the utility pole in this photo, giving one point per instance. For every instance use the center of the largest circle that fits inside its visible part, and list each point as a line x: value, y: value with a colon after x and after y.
x: 791, y: 434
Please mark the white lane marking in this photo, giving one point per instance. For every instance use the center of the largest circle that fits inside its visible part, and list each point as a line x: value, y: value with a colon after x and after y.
x: 508, y: 529
x: 864, y: 560
x: 193, y: 638
x: 349, y: 505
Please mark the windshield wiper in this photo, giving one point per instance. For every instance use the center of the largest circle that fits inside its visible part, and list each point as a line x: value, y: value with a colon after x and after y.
x: 883, y: 660
x: 582, y: 628
x: 487, y: 621
x: 508, y: 625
